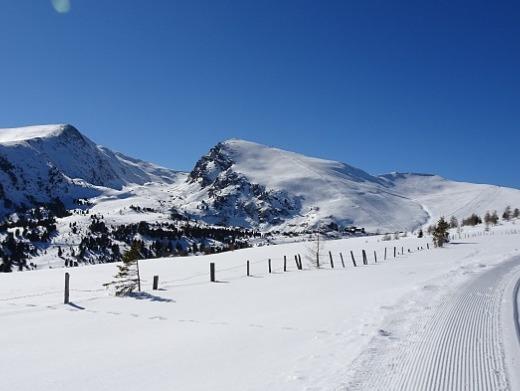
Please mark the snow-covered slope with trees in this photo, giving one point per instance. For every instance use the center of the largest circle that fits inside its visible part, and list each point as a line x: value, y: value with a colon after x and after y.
x: 65, y: 200
x: 443, y: 197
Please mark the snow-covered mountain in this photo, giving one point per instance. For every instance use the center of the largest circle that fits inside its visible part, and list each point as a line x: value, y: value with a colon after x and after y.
x: 39, y: 163
x: 114, y: 199
x: 248, y: 184
x: 238, y: 183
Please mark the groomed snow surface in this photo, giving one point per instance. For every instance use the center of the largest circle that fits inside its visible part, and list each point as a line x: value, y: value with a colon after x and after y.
x: 438, y: 319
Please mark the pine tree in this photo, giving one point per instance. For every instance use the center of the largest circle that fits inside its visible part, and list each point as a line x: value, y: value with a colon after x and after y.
x: 440, y: 233
x: 454, y: 223
x: 420, y: 234
x: 487, y: 218
x: 507, y: 213
x: 516, y: 213
x: 127, y: 279
x: 472, y: 220
x: 494, y: 218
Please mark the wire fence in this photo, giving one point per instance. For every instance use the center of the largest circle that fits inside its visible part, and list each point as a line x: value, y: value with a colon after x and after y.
x: 273, y: 265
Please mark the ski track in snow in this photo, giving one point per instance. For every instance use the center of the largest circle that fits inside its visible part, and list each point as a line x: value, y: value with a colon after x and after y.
x: 456, y: 345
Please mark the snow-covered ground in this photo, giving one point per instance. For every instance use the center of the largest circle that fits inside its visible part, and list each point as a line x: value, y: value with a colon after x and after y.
x: 438, y: 319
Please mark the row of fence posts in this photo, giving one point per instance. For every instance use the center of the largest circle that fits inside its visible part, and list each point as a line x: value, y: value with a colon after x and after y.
x: 484, y: 233
x: 297, y: 261
x: 299, y: 265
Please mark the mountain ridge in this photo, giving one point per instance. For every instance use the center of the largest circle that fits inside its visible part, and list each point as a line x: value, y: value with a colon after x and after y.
x: 238, y: 182
x: 39, y: 163
x: 66, y: 200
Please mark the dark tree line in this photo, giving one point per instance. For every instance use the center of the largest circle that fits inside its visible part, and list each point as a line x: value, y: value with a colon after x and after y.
x: 23, y: 231
x: 490, y: 218
x: 102, y: 243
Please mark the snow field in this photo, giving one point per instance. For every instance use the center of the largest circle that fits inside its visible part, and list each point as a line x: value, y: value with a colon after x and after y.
x: 300, y: 330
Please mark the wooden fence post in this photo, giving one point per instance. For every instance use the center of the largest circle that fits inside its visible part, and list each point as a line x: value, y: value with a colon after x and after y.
x: 385, y: 253
x: 155, y: 283
x: 248, y: 269
x: 375, y: 256
x: 300, y: 261
x: 342, y: 261
x: 395, y: 252
x: 269, y: 263
x: 353, y: 258
x: 212, y: 272
x: 402, y: 250
x: 331, y: 260
x: 428, y: 246
x: 66, y: 298
x: 365, y: 261
x: 284, y: 263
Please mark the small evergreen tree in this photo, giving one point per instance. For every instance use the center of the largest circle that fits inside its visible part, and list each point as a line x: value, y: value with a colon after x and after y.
x: 494, y: 218
x: 420, y: 234
x: 454, y: 223
x: 6, y: 265
x: 440, y: 233
x: 516, y: 213
x: 487, y: 218
x: 472, y: 220
x: 507, y: 213
x: 127, y: 278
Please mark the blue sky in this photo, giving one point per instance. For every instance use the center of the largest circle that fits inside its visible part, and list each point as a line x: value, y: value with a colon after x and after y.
x: 383, y: 85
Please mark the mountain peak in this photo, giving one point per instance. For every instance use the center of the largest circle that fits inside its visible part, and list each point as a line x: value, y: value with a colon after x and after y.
x: 42, y: 162
x: 25, y: 133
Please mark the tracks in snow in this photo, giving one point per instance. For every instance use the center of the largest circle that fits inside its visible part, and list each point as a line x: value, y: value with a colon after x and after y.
x: 458, y: 346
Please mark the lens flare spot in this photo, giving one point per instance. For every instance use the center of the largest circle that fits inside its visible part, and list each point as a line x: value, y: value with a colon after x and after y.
x: 61, y: 6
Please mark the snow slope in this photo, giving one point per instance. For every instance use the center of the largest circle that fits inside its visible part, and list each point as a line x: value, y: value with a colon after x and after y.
x: 293, y: 192
x: 39, y: 163
x: 299, y: 330
x: 443, y: 197
x: 249, y: 184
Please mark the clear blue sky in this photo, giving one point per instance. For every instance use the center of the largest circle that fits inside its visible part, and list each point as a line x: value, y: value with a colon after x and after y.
x: 382, y: 85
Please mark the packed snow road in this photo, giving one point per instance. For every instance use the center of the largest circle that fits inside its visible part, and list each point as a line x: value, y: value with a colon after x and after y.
x: 468, y: 342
